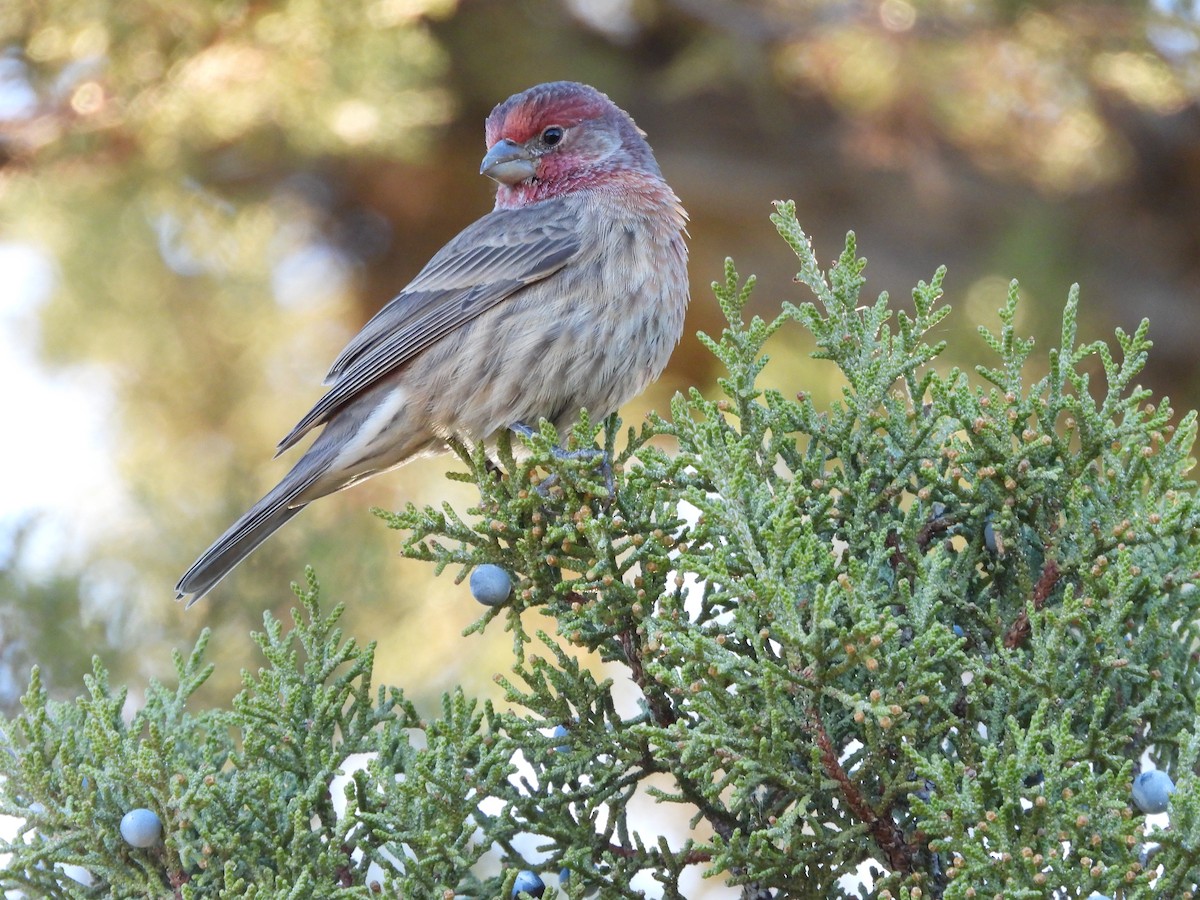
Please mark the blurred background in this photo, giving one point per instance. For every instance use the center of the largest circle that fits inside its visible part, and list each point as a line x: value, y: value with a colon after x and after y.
x: 200, y: 202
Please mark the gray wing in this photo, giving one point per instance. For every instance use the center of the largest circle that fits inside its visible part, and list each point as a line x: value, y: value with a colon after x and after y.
x: 501, y: 253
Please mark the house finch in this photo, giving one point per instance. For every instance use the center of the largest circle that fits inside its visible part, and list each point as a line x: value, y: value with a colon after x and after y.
x: 571, y: 293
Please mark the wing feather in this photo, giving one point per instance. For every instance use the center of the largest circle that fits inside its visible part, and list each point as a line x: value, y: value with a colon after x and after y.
x: 500, y: 254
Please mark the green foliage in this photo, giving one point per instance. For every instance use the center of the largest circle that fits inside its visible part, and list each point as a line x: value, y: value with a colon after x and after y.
x: 246, y: 795
x: 931, y: 631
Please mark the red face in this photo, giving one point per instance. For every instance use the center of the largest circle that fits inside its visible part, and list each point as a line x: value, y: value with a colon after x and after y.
x: 527, y: 115
x: 558, y: 138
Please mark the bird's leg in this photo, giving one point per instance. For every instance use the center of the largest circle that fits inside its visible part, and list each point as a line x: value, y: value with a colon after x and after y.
x: 588, y: 453
x: 525, y: 431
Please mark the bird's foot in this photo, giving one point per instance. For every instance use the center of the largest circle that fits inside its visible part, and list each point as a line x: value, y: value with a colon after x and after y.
x: 590, y: 454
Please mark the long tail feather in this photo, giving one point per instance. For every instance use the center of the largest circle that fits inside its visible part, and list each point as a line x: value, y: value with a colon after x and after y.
x: 243, y: 536
x: 363, y: 439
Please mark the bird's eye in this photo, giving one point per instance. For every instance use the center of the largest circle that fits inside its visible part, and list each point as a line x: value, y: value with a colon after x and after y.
x: 552, y: 135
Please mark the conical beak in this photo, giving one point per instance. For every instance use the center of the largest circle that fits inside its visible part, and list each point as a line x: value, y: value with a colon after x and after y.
x: 508, y: 163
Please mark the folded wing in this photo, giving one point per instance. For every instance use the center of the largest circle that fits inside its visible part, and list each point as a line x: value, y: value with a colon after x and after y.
x: 501, y: 253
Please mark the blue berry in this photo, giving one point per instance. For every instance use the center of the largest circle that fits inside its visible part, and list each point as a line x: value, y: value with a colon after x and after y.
x: 141, y: 828
x: 560, y: 731
x: 490, y: 585
x: 530, y: 883
x: 990, y: 540
x: 1152, y: 791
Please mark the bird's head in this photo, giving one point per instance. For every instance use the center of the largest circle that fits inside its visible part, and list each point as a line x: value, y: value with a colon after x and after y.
x: 558, y: 138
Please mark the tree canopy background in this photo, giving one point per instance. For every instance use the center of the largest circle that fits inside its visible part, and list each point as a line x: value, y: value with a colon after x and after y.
x: 199, y: 203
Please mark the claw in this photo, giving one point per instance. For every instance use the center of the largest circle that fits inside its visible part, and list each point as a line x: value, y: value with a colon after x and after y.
x: 588, y: 453
x: 522, y: 429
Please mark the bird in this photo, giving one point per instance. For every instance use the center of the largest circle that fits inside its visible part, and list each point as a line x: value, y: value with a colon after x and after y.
x: 569, y: 294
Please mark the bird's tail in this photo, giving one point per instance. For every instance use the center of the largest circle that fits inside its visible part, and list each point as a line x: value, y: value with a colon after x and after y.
x: 366, y: 437
x: 240, y: 540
